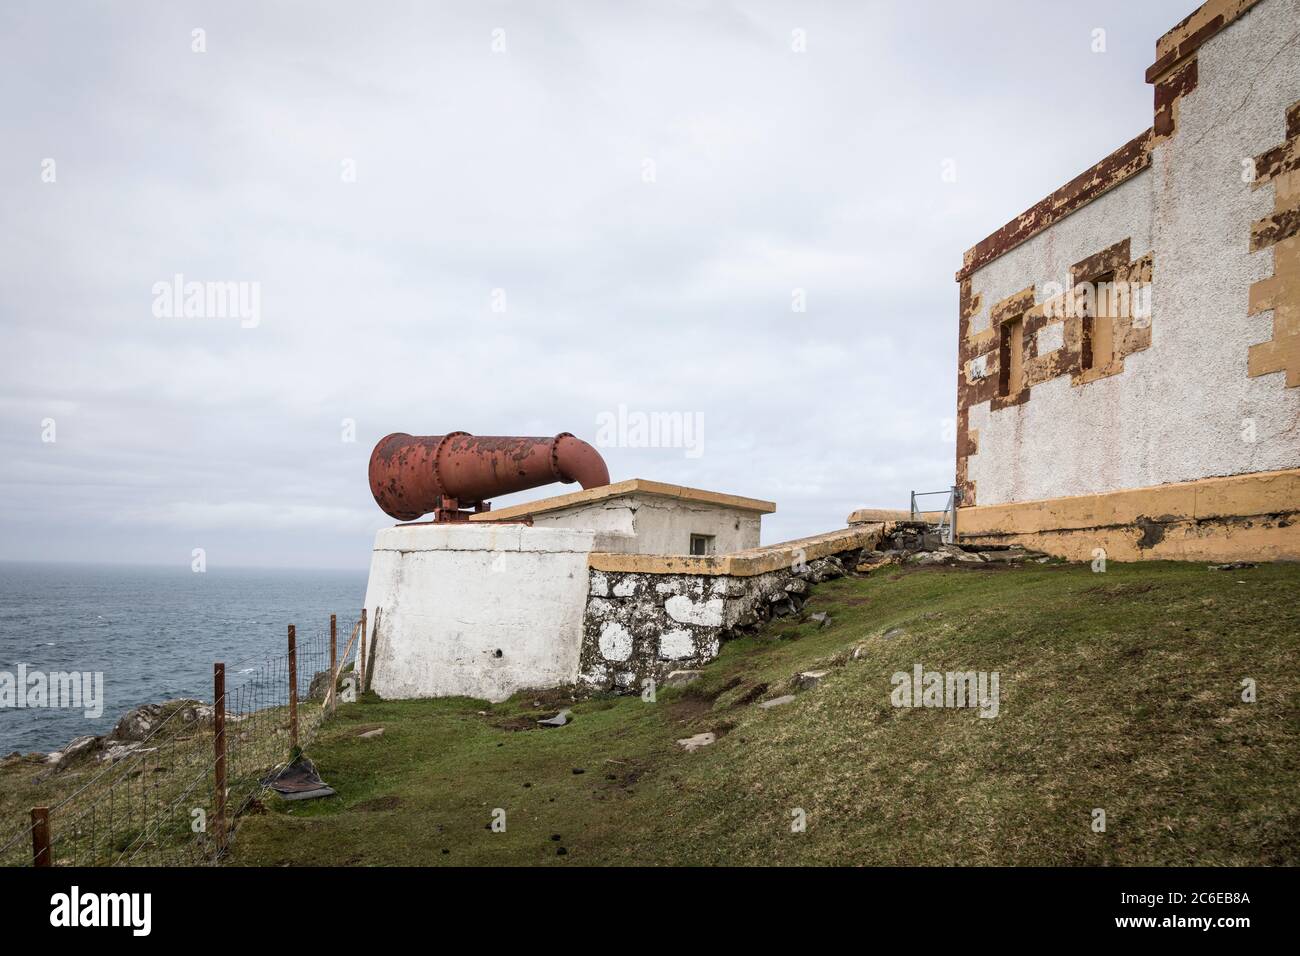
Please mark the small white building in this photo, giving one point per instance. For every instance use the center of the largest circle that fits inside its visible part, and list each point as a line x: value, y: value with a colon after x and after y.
x: 494, y: 605
x: 649, y: 517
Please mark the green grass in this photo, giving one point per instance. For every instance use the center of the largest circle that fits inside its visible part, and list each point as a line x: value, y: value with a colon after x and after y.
x: 1119, y: 691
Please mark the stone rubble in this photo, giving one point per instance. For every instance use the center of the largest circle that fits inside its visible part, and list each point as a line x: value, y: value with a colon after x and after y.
x: 916, y: 543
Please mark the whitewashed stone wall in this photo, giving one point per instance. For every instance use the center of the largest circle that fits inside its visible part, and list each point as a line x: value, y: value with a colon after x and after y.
x: 640, y: 626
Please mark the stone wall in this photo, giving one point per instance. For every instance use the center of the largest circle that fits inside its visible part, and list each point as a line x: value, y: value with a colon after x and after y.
x: 643, y: 625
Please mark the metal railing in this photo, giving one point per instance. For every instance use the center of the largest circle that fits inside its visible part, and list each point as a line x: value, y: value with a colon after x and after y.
x: 947, y: 518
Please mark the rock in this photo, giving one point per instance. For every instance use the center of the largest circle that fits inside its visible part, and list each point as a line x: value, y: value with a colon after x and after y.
x: 559, y: 720
x: 78, y: 747
x: 371, y: 734
x: 1234, y: 566
x: 776, y: 701
x: 859, y: 650
x: 871, y: 560
x: 783, y: 608
x: 809, y: 679
x: 115, y: 752
x: 682, y: 678
x: 796, y: 587
x: 320, y: 685
x: 691, y: 744
x: 1002, y: 557
x: 821, y: 619
x: 892, y: 633
x: 138, y: 724
x: 11, y: 760
x: 825, y: 569
x: 933, y: 557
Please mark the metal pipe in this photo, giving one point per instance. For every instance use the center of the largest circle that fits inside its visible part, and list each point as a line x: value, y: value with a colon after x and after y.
x: 410, y: 475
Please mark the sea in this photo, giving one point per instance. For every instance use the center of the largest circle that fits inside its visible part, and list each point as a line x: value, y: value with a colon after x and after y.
x: 152, y: 632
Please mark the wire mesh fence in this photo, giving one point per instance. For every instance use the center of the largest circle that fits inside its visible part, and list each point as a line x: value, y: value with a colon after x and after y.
x: 175, y: 797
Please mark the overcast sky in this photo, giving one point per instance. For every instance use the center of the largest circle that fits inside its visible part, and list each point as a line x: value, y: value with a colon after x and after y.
x: 642, y: 186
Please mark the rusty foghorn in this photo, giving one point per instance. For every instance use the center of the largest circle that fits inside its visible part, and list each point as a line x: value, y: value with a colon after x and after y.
x: 411, y: 475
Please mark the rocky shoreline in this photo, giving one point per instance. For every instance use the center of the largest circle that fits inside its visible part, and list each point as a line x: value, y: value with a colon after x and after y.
x: 126, y: 738
x: 132, y: 730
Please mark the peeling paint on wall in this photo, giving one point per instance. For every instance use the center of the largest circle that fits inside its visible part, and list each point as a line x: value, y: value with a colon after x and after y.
x: 1165, y: 394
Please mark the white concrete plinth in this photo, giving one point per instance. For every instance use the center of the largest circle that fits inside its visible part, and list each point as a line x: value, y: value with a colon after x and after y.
x: 477, y: 610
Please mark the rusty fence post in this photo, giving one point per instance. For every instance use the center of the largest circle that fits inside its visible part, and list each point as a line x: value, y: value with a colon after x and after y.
x: 334, y: 643
x: 219, y: 752
x: 293, y: 687
x: 330, y: 694
x: 41, y: 837
x: 360, y: 669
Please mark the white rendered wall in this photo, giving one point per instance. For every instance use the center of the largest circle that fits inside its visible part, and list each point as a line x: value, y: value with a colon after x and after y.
x: 660, y: 525
x: 453, y: 595
x: 1176, y: 412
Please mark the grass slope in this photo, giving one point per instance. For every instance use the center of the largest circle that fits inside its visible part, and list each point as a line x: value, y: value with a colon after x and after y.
x: 1119, y: 691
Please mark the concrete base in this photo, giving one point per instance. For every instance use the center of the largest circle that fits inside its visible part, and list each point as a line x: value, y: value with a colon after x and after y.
x: 477, y: 610
x: 1251, y: 517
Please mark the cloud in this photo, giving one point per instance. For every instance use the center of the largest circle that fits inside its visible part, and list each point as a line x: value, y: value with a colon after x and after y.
x: 523, y: 171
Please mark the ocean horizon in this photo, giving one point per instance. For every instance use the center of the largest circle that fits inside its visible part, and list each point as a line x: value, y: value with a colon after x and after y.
x: 152, y: 631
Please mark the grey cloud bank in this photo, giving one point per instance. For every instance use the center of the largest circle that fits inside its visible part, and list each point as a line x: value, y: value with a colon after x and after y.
x: 388, y: 179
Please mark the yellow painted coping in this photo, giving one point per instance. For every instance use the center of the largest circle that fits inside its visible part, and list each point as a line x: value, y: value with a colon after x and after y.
x: 876, y: 515
x: 1260, y: 493
x: 631, y: 486
x: 743, y: 564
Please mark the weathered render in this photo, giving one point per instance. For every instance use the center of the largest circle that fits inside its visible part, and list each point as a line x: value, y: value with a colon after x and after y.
x: 1065, y: 397
x: 481, y: 611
